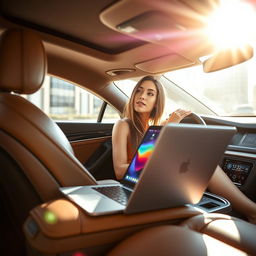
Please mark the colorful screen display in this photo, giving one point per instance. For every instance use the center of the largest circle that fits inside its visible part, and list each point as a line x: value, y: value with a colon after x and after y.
x: 142, y: 155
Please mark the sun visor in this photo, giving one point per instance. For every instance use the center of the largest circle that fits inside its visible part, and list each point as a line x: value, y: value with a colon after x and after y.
x: 164, y: 63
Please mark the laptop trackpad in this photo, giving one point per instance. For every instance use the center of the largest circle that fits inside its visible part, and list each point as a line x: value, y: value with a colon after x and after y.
x: 96, y: 204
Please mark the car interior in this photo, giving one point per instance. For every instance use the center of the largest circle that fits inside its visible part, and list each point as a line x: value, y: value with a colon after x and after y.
x: 94, y: 45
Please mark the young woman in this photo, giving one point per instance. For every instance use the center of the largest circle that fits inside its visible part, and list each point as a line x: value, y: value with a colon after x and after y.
x: 144, y: 108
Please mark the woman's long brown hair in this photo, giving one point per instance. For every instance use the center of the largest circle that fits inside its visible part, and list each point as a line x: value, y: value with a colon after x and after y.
x: 136, y: 127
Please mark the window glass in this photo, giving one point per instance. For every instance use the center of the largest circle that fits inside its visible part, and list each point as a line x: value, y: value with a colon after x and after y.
x: 110, y: 115
x: 228, y: 92
x: 127, y: 85
x: 62, y: 97
x: 63, y: 101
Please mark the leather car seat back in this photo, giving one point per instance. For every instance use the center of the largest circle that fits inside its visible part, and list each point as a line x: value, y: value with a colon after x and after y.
x: 34, y: 152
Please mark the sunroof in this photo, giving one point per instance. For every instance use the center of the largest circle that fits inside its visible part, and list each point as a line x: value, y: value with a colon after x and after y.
x: 76, y: 21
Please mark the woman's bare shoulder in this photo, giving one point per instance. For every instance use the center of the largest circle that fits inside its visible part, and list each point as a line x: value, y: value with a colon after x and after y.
x: 121, y: 125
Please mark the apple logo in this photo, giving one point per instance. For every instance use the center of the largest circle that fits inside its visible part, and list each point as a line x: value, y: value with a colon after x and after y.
x: 184, y: 167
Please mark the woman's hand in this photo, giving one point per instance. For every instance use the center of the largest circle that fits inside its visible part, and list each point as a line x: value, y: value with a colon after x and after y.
x: 177, y: 115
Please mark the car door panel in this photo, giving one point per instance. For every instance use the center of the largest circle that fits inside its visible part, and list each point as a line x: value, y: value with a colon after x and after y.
x: 75, y: 131
x: 85, y: 148
x: 92, y: 145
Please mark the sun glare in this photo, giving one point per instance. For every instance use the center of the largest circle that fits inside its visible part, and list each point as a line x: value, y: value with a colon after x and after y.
x: 232, y: 24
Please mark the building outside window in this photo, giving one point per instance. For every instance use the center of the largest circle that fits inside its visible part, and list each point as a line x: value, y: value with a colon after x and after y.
x: 62, y: 101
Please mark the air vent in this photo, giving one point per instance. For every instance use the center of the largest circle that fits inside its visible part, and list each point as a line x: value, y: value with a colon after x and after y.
x: 118, y: 72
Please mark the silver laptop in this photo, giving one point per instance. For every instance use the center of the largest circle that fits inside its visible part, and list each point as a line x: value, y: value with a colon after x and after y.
x: 171, y: 167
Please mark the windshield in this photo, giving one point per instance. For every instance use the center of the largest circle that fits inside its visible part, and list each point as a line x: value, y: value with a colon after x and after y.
x: 228, y: 92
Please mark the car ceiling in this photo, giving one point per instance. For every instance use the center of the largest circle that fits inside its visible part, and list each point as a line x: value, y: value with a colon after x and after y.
x: 84, y: 42
x: 77, y: 21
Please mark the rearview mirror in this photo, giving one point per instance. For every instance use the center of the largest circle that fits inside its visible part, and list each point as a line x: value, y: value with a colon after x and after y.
x: 227, y: 58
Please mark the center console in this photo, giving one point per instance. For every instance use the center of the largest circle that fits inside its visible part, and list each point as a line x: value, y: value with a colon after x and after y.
x: 60, y: 225
x: 213, y: 203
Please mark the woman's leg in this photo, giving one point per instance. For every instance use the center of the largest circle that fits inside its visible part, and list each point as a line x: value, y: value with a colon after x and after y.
x: 221, y: 185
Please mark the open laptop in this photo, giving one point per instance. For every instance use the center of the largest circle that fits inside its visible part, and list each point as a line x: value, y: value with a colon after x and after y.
x: 171, y: 167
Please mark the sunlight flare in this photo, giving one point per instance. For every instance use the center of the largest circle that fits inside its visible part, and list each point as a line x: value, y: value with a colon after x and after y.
x: 232, y: 24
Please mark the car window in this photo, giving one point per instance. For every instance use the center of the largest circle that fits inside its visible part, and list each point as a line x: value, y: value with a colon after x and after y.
x: 175, y: 97
x: 127, y: 85
x: 228, y: 92
x: 110, y: 115
x: 63, y: 101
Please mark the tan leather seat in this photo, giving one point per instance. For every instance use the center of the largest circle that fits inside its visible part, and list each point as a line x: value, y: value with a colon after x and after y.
x: 36, y: 157
x: 211, y: 234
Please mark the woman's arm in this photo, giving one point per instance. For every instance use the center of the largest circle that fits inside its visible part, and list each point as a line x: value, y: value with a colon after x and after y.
x: 120, y: 135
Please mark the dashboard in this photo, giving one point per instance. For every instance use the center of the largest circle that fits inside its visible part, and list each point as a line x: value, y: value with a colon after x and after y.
x: 239, y: 160
x: 238, y: 171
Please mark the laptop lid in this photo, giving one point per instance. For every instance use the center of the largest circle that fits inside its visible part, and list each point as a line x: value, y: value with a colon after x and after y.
x: 177, y: 172
x: 180, y: 167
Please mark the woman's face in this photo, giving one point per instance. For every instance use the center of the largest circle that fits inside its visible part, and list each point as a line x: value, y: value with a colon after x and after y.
x: 145, y: 97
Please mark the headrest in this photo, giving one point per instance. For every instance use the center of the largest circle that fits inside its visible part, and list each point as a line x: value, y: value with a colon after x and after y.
x: 22, y: 62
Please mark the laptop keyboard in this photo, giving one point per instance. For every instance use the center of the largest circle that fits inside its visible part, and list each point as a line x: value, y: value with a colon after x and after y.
x: 116, y: 193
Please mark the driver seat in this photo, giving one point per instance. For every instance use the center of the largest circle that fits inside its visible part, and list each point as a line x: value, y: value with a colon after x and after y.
x: 36, y: 158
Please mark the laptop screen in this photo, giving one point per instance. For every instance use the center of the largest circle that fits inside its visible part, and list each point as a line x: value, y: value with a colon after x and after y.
x: 141, y: 156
